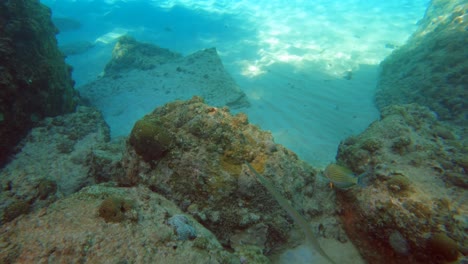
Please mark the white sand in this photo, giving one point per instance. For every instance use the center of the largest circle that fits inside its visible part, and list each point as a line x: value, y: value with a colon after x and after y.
x: 311, y: 112
x: 290, y: 59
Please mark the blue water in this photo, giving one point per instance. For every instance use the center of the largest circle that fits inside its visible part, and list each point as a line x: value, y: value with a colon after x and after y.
x: 289, y: 57
x: 259, y: 32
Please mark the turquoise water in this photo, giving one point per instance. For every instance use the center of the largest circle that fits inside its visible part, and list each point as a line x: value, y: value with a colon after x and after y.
x: 290, y: 58
x: 255, y: 34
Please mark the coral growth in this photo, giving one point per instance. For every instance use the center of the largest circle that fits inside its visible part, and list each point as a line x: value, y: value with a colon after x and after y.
x: 407, y: 195
x: 69, y: 231
x: 150, y: 139
x: 204, y: 172
x: 113, y: 209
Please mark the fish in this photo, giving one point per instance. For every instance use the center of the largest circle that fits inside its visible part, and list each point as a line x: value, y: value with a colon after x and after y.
x: 343, y: 177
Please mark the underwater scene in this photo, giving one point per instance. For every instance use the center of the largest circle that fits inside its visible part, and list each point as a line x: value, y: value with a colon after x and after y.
x: 234, y: 132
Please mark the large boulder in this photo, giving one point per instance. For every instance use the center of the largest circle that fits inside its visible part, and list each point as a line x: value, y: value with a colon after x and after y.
x: 432, y: 68
x: 129, y: 54
x: 412, y: 208
x: 195, y: 155
x: 34, y: 79
x: 148, y: 76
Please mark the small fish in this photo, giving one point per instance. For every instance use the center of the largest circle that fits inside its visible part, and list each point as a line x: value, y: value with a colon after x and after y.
x: 342, y: 177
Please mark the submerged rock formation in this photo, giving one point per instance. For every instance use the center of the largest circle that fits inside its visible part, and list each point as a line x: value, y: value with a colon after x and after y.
x: 431, y: 69
x: 413, y: 209
x: 192, y: 154
x: 195, y: 155
x: 34, y: 79
x: 56, y: 160
x: 129, y: 54
x: 415, y: 193
x: 148, y: 76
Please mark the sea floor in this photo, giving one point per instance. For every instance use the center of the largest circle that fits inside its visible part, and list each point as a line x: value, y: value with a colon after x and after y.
x: 309, y: 69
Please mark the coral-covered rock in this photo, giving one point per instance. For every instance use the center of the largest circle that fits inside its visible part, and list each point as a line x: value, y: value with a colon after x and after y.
x: 204, y: 173
x: 150, y: 139
x: 431, y: 69
x: 114, y: 209
x: 56, y: 159
x: 35, y: 82
x: 411, y: 196
x: 72, y: 230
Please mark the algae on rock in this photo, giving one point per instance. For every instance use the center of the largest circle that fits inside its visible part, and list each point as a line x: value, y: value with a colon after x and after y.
x: 410, y: 192
x: 35, y: 80
x: 150, y: 139
x: 204, y: 173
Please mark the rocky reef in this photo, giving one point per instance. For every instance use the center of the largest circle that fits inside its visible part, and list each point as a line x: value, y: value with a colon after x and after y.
x: 142, y: 76
x: 73, y: 230
x: 201, y: 73
x: 55, y: 160
x: 195, y: 155
x: 179, y: 187
x: 431, y: 69
x: 34, y: 79
x: 413, y: 207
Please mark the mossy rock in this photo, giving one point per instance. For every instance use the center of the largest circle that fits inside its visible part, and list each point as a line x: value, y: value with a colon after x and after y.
x: 150, y: 139
x: 36, y: 81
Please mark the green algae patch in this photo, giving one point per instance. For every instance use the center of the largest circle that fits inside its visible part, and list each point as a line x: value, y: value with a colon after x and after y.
x: 150, y: 139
